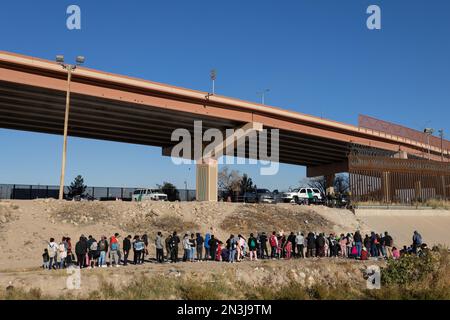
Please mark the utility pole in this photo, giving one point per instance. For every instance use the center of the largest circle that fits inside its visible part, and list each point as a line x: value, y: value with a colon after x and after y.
x: 441, y: 135
x: 70, y: 68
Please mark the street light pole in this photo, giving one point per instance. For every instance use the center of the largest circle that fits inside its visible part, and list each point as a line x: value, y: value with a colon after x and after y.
x: 441, y: 135
x: 429, y: 132
x: 70, y: 69
x: 263, y: 96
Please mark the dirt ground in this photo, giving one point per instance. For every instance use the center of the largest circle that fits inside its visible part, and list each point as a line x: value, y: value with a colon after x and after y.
x: 26, y: 226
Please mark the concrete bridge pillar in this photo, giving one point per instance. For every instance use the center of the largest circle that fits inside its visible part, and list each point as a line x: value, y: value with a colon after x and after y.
x: 206, y: 179
x: 330, y: 184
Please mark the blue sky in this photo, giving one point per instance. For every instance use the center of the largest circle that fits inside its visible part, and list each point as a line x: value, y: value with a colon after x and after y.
x: 317, y: 57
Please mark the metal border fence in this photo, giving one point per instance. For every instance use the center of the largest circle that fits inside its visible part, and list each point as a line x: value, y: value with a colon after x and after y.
x: 31, y: 192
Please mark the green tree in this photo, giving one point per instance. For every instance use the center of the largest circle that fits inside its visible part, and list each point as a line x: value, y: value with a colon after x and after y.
x: 246, y: 184
x: 171, y: 191
x: 77, y: 187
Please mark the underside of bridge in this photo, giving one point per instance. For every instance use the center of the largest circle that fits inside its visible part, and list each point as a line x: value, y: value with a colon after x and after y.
x: 116, y: 108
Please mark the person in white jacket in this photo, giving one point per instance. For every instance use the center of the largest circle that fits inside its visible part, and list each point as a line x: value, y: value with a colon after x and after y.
x: 62, y: 253
x: 52, y: 248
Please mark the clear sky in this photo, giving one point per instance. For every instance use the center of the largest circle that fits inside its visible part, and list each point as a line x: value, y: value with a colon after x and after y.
x: 317, y: 57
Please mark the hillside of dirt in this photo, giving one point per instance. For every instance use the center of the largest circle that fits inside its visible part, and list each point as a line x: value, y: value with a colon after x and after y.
x: 26, y: 226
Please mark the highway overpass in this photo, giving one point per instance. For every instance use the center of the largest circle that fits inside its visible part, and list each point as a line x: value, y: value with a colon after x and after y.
x: 118, y: 108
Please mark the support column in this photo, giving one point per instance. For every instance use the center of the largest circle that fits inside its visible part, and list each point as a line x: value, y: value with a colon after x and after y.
x: 418, y: 189
x: 206, y: 179
x: 330, y: 184
x: 444, y: 191
x: 386, y: 186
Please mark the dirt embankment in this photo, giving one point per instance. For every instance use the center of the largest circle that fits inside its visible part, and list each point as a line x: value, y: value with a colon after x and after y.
x: 28, y: 225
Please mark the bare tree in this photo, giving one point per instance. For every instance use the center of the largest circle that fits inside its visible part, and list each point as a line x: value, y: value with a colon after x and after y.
x: 229, y: 181
x: 341, y: 183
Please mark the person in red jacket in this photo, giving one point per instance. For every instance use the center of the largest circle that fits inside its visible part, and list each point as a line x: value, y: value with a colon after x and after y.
x: 364, y: 254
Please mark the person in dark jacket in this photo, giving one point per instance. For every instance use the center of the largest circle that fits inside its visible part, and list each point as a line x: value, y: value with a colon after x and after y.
x: 81, y: 248
x: 213, y: 243
x: 357, y: 238
x: 320, y: 245
x: 174, y: 247
x: 310, y: 245
x: 264, y: 251
x: 167, y: 243
x: 367, y: 243
x: 291, y: 239
x: 126, y: 249
x: 388, y: 243
x: 199, y: 241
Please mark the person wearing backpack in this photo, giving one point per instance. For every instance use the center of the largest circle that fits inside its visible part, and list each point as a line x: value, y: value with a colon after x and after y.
x: 273, y: 245
x: 126, y: 247
x: 299, y: 241
x: 114, y: 250
x: 93, y: 252
x: 52, y: 249
x: 199, y: 240
x: 102, y: 247
x: 252, y: 247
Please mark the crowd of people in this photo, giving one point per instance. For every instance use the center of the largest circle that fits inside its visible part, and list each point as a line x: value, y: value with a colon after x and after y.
x: 90, y: 253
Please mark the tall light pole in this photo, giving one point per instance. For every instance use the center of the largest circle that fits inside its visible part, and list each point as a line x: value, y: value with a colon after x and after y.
x: 263, y: 95
x: 213, y: 76
x: 70, y: 68
x: 441, y: 135
x: 429, y: 132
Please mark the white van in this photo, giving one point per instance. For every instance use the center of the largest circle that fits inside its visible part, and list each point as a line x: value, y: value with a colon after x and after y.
x: 148, y: 195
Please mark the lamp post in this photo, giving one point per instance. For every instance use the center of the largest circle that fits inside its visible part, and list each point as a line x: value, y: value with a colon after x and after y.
x: 213, y: 79
x: 441, y: 135
x: 70, y: 68
x: 429, y: 132
x: 263, y: 95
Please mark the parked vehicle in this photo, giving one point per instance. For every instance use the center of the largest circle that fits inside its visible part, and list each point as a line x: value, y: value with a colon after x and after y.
x: 259, y: 196
x: 148, y: 195
x: 303, y: 196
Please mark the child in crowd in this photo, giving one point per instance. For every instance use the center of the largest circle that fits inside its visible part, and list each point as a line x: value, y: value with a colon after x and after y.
x: 395, y: 253
x: 45, y: 259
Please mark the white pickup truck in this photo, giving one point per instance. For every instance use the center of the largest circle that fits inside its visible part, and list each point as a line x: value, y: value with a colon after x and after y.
x: 302, y: 195
x: 148, y: 195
